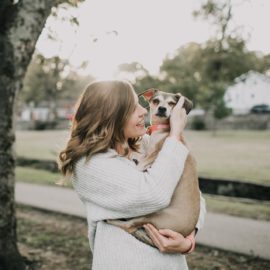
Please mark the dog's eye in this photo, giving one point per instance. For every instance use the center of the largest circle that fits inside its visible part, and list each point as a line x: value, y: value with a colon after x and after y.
x: 155, y: 101
x: 172, y: 103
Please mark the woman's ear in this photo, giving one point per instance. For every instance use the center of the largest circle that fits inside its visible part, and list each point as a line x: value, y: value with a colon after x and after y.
x: 148, y: 94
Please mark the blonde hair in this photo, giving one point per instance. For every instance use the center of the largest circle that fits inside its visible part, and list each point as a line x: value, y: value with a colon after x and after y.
x: 102, y: 112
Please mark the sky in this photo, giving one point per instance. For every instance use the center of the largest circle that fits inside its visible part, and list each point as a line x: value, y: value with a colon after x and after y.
x: 147, y: 31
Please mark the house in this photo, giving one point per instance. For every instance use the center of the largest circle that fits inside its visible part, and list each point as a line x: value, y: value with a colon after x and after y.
x: 249, y: 89
x: 46, y: 112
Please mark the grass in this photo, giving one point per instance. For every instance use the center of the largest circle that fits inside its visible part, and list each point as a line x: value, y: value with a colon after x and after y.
x: 40, y: 144
x: 236, y: 155
x: 238, y: 207
x: 219, y: 204
x: 35, y: 176
x: 55, y: 241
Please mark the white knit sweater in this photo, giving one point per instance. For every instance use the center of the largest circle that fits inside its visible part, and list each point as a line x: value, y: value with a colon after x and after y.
x: 112, y: 187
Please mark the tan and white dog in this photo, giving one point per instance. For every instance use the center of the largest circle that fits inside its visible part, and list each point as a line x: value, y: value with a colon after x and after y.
x: 183, y: 212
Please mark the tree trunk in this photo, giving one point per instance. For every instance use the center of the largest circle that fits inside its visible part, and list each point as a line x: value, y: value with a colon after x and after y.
x: 9, y: 256
x: 20, y: 26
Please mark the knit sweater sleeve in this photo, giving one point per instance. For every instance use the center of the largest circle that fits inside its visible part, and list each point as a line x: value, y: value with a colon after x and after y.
x: 201, y: 219
x: 116, y: 185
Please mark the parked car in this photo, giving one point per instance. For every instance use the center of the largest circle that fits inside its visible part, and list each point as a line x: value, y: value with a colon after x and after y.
x: 262, y: 108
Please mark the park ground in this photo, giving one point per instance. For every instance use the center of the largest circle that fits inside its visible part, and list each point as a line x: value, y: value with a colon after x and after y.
x: 236, y: 155
x: 56, y: 241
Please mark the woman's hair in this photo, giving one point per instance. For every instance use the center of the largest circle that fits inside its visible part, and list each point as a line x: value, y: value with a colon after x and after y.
x: 98, y: 124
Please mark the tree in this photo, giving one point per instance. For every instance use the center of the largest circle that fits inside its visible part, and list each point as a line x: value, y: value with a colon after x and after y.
x: 220, y: 13
x: 219, y: 68
x: 132, y: 71
x: 226, y: 55
x: 202, y: 72
x: 21, y: 23
x: 51, y: 79
x: 182, y: 71
x: 44, y: 81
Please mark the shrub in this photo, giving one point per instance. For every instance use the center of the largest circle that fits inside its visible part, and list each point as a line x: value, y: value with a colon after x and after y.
x: 198, y: 123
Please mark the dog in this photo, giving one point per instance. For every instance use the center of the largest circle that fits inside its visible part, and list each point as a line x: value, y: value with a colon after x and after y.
x: 183, y: 212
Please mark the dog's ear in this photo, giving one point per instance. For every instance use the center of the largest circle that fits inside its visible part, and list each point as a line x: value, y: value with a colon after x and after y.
x: 188, y: 104
x: 148, y: 94
x: 177, y: 95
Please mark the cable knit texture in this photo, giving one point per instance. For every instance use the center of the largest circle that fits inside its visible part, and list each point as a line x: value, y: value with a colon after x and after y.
x: 111, y: 187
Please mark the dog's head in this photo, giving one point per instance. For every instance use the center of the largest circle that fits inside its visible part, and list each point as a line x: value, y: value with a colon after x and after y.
x: 162, y: 103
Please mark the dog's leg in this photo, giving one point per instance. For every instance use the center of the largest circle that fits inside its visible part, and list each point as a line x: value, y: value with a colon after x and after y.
x: 141, y: 235
x: 138, y: 233
x: 125, y: 225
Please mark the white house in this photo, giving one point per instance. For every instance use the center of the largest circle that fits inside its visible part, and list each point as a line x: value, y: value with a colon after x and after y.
x: 250, y: 89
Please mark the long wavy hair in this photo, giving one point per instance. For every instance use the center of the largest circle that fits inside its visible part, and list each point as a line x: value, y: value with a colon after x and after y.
x: 98, y: 124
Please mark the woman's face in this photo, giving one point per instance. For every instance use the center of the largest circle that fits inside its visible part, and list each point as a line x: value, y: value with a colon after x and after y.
x: 135, y: 126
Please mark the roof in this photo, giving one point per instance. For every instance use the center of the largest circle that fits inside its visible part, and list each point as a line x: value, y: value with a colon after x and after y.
x: 252, y: 75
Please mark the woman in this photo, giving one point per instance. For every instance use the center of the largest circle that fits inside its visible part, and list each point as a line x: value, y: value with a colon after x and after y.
x: 107, y: 128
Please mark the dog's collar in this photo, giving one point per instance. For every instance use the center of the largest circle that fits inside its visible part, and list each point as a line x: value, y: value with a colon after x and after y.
x: 154, y: 128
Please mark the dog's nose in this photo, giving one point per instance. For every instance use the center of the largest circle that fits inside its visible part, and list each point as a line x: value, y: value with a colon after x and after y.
x: 161, y: 109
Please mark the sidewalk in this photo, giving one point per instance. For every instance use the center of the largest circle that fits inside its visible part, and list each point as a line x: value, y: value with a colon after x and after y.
x: 236, y: 234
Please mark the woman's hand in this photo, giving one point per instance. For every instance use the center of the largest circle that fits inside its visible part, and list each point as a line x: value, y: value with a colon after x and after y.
x: 168, y: 241
x: 178, y: 119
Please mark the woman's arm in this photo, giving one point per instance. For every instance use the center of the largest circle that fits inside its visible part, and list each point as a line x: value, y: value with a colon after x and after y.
x: 168, y: 241
x: 173, y: 242
x: 114, y: 184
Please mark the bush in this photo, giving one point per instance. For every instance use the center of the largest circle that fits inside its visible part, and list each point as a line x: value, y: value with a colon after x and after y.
x: 198, y: 124
x: 42, y: 125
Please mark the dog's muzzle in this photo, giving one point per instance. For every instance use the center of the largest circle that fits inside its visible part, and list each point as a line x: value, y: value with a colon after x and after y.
x: 161, y: 112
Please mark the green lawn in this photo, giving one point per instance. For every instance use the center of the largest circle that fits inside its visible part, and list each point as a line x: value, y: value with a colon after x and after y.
x: 236, y: 155
x: 238, y: 207
x: 219, y: 204
x: 35, y: 176
x: 40, y: 144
